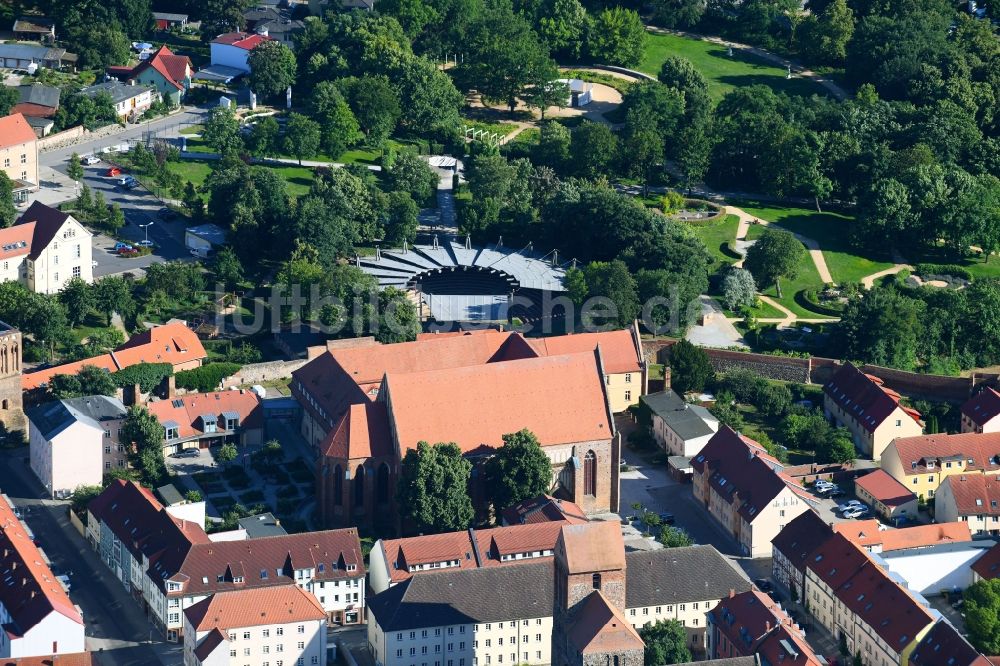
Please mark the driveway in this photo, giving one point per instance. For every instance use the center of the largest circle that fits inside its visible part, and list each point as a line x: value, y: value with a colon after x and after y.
x: 116, y: 629
x: 716, y: 331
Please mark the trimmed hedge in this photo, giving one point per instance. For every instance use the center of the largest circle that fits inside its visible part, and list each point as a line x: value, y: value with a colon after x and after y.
x: 147, y: 375
x: 809, y: 299
x: 942, y: 269
x: 207, y: 377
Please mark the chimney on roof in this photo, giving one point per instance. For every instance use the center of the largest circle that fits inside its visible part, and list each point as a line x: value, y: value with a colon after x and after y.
x: 767, y: 626
x: 732, y: 593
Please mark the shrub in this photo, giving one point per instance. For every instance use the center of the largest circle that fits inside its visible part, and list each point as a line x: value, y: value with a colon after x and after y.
x: 207, y: 377
x: 924, y: 270
x: 147, y: 375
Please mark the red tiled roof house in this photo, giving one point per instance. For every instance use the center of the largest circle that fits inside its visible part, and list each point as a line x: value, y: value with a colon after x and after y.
x: 233, y: 49
x: 887, y: 496
x: 971, y: 498
x: 981, y: 413
x: 870, y: 410
x: 170, y: 74
x: 201, y: 420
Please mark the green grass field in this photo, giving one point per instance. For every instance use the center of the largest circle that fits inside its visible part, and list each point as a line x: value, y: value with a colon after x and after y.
x: 724, y: 73
x: 830, y: 230
x: 297, y: 179
x: 715, y: 236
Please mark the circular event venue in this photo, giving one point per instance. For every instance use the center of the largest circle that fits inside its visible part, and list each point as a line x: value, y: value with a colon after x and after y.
x: 456, y: 282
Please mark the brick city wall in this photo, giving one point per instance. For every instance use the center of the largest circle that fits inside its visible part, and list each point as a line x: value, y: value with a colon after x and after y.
x: 255, y: 373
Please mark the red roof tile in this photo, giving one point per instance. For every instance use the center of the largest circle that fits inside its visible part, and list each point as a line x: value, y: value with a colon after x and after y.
x: 756, y: 624
x: 589, y: 547
x: 880, y: 485
x: 738, y: 467
x: 173, y: 68
x: 801, y: 537
x: 945, y: 646
x: 984, y: 406
x: 244, y: 40
x: 868, y: 533
x: 471, y: 549
x: 559, y: 398
x: 74, y: 659
x: 884, y: 605
x: 30, y: 591
x: 15, y: 241
x: 975, y: 494
x: 170, y: 343
x: 255, y: 607
x: 988, y: 564
x: 186, y: 411
x: 598, y: 626
x: 982, y: 448
x: 836, y: 560
x: 363, y: 432
x: 864, y: 396
x: 15, y: 130
x: 618, y: 348
x: 543, y: 509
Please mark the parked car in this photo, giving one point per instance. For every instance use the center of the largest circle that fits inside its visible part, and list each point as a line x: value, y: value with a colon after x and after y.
x: 113, y: 172
x: 119, y: 246
x: 167, y: 213
x: 130, y: 185
x: 125, y: 178
x: 763, y: 584
x: 826, y: 490
x: 836, y: 492
x: 666, y: 518
x: 859, y: 512
x: 144, y: 243
x: 849, y: 504
x: 185, y: 453
x: 90, y: 159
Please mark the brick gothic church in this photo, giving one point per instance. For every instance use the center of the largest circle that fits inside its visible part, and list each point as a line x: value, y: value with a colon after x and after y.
x: 379, y: 401
x: 588, y: 615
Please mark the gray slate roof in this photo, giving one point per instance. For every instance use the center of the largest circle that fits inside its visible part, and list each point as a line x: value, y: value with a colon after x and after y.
x: 262, y: 525
x: 687, y: 420
x: 466, y: 596
x: 522, y: 591
x: 39, y: 94
x: 31, y: 52
x: 680, y: 575
x: 53, y: 417
x: 119, y: 91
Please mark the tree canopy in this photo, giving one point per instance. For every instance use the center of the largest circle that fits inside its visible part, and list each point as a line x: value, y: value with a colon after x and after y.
x: 432, y: 492
x: 519, y: 470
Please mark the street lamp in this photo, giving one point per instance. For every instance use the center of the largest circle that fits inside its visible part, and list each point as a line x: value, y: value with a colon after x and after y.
x: 145, y: 230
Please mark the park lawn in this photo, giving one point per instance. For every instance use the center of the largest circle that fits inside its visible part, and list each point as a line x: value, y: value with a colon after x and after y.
x: 830, y: 230
x: 192, y: 129
x: 806, y: 278
x: 724, y: 73
x: 973, y: 263
x: 715, y: 236
x: 297, y: 179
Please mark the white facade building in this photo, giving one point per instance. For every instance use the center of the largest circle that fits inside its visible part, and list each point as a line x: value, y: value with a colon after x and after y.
x: 45, y: 249
x: 36, y: 614
x: 233, y: 49
x: 74, y: 442
x: 680, y: 428
x: 280, y: 625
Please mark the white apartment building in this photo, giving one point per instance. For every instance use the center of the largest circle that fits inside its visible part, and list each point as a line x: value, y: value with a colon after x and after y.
x: 74, y: 442
x: 503, y: 614
x: 45, y: 249
x: 680, y: 428
x: 37, y: 616
x: 263, y: 626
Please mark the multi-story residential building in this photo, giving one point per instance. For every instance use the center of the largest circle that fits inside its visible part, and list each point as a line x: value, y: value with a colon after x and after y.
x: 744, y: 489
x: 504, y: 615
x: 172, y: 343
x: 36, y: 614
x: 75, y: 442
x: 171, y: 564
x: 945, y: 646
x: 283, y: 624
x: 680, y: 428
x: 875, y: 537
x: 857, y: 601
x: 129, y: 99
x: 791, y: 548
x: 19, y: 155
x: 971, y: 498
x: 45, y: 249
x: 393, y: 561
x: 201, y: 420
x: 922, y: 463
x: 870, y: 410
x: 981, y: 413
x: 751, y: 623
x: 167, y: 73
x: 887, y: 496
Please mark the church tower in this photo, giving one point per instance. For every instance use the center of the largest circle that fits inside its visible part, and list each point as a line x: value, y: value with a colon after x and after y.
x: 588, y: 616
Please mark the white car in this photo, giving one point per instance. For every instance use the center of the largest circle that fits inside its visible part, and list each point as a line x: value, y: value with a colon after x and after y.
x: 857, y: 512
x: 145, y: 243
x: 848, y: 505
x: 90, y: 159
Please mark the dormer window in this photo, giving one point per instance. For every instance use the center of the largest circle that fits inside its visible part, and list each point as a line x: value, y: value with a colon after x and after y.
x: 209, y: 423
x: 352, y: 567
x: 930, y: 464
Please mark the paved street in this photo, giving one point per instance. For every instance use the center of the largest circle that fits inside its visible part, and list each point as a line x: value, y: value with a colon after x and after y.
x: 117, y: 630
x: 139, y: 205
